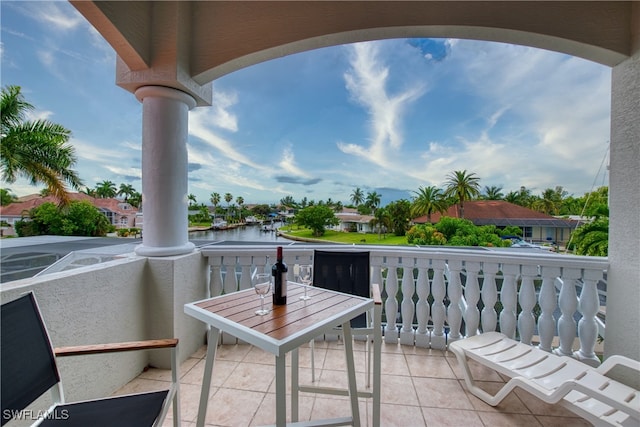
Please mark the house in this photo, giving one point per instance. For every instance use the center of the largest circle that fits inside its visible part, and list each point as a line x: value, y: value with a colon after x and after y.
x: 119, y: 213
x: 351, y: 220
x: 536, y: 226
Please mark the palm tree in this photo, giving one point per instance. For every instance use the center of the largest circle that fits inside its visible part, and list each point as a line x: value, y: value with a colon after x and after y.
x: 493, y: 193
x: 127, y: 190
x: 463, y: 187
x: 106, y: 189
x: 592, y: 238
x: 428, y: 200
x: 89, y: 192
x: 357, y: 196
x: 215, y: 201
x: 37, y: 150
x: 228, y: 198
x: 192, y: 200
x: 381, y: 220
x: 373, y: 200
x: 6, y: 196
x: 240, y: 202
x: 135, y: 199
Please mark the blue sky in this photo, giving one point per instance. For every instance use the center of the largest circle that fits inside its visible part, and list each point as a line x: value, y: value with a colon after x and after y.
x: 387, y: 116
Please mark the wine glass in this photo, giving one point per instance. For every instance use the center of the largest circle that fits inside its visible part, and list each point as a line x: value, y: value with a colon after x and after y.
x: 306, y: 276
x: 262, y: 285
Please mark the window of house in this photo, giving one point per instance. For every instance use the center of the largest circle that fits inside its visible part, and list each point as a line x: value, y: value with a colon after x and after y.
x: 124, y: 220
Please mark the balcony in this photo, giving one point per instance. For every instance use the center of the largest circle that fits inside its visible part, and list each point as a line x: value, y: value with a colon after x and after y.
x: 441, y: 294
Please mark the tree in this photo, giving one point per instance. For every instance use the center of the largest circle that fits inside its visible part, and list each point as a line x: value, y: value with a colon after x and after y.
x: 592, y: 238
x: 399, y: 212
x: 381, y: 221
x: 6, y: 197
x: 192, y: 200
x: 428, y: 200
x: 228, y: 198
x: 126, y: 190
x: 317, y: 218
x: 35, y: 149
x: 215, y: 201
x: 463, y: 187
x: 288, y: 202
x: 357, y: 197
x: 551, y: 201
x: 240, y: 202
x: 106, y: 189
x: 135, y: 199
x: 79, y: 218
x: 492, y: 193
x: 373, y: 200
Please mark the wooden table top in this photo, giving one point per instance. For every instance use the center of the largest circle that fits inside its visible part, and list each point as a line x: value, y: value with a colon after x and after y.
x: 285, y: 327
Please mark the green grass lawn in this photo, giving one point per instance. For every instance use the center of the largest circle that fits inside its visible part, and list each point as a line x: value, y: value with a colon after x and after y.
x: 343, y: 237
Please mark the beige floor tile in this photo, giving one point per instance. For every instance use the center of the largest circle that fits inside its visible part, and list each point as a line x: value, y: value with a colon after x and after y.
x: 221, y: 371
x: 400, y: 416
x: 511, y: 403
x: 551, y: 421
x: 234, y: 408
x: 441, y: 417
x: 266, y: 414
x: 441, y: 393
x: 142, y: 385
x: 394, y: 364
x: 397, y: 390
x: 336, y: 359
x: 497, y: 419
x: 234, y: 353
x: 538, y: 407
x: 251, y: 376
x: 324, y: 408
x: 435, y: 367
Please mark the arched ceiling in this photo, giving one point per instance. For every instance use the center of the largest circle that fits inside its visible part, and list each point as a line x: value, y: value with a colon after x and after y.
x: 187, y: 44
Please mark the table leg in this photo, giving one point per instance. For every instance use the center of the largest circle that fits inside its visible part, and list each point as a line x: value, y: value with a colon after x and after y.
x: 281, y: 391
x: 295, y: 385
x: 351, y: 372
x: 212, y: 345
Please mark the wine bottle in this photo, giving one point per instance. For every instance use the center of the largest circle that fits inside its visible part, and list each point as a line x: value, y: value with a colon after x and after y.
x: 279, y: 273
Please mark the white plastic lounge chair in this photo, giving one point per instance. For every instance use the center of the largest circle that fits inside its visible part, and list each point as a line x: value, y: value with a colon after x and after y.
x: 580, y: 388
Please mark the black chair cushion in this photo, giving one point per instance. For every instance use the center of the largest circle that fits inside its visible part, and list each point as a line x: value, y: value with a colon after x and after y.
x: 28, y: 365
x: 138, y: 410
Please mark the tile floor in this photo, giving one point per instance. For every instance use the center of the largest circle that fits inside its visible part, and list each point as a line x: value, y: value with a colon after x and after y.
x: 420, y: 387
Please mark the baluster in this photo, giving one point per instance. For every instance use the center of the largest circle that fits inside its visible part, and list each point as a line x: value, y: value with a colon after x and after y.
x: 408, y: 310
x: 422, y: 307
x: 472, y: 296
x: 391, y: 305
x: 438, y: 339
x: 489, y: 295
x: 215, y: 279
x: 548, y: 303
x: 527, y: 297
x: 509, y: 298
x: 245, y: 272
x: 587, y: 326
x: 568, y: 302
x: 454, y: 291
x: 376, y: 271
x: 230, y: 283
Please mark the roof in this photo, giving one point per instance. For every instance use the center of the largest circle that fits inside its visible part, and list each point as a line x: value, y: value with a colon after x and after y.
x: 33, y: 201
x: 499, y: 213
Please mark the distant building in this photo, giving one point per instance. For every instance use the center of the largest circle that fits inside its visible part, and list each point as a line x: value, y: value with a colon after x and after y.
x: 535, y: 226
x: 119, y: 213
x: 351, y: 220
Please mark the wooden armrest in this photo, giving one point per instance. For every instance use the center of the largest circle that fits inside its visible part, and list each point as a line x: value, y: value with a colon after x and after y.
x: 377, y: 296
x: 115, y: 347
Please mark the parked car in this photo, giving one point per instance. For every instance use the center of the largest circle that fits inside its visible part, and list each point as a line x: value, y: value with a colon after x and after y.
x: 517, y: 242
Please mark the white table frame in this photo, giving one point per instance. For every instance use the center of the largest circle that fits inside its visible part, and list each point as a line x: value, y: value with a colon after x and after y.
x: 280, y: 347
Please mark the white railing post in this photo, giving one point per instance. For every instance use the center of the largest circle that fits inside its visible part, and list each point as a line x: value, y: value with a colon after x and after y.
x: 245, y: 272
x: 215, y: 279
x: 568, y: 302
x: 489, y: 293
x: 472, y: 296
x: 422, y: 306
x: 548, y: 301
x: 587, y: 326
x: 438, y: 339
x: 391, y: 305
x: 527, y: 298
x: 408, y: 289
x: 508, y: 297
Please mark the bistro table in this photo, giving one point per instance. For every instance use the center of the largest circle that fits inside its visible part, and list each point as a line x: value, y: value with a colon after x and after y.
x: 282, y: 330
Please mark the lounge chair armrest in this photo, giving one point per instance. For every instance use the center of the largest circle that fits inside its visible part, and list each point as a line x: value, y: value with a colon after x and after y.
x: 375, y: 293
x: 617, y: 360
x: 115, y: 347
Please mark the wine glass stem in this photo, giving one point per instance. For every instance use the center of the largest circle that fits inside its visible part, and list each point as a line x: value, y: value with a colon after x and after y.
x: 262, y: 303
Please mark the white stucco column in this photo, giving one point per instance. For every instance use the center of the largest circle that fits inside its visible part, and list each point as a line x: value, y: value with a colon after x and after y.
x: 165, y: 117
x: 623, y: 289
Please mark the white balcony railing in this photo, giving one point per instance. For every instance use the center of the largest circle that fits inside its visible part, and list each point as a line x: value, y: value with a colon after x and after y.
x: 445, y: 294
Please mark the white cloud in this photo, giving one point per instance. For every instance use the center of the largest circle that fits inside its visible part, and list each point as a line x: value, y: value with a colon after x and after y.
x: 51, y: 14
x: 220, y: 116
x: 366, y: 82
x: 288, y: 163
